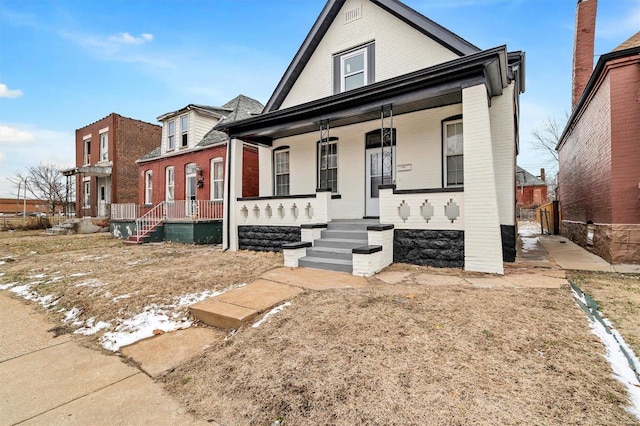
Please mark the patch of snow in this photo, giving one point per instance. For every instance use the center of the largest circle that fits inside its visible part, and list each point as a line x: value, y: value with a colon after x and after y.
x: 79, y: 274
x: 54, y: 279
x: 92, y: 257
x: 190, y: 299
x: 26, y: 293
x: 2, y: 262
x: 124, y: 296
x: 271, y: 313
x: 90, y: 283
x: 33, y: 252
x: 528, y: 229
x: 90, y: 328
x: 8, y: 285
x: 619, y: 364
x: 529, y: 243
x: 1, y: 274
x: 71, y: 315
x: 37, y: 276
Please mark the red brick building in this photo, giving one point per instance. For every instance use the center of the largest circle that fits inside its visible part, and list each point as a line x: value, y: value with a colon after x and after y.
x: 531, y: 191
x: 599, y: 151
x: 106, y: 170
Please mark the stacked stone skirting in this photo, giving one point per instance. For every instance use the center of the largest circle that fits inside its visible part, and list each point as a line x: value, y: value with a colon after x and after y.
x: 441, y: 249
x: 617, y: 244
x: 508, y: 234
x: 266, y: 238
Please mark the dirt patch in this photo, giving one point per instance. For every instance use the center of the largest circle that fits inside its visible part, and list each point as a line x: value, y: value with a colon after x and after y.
x: 618, y: 298
x: 106, y: 280
x: 409, y: 354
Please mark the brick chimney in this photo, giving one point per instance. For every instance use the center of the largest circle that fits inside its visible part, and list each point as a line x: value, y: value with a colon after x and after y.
x: 583, y: 47
x: 542, y: 177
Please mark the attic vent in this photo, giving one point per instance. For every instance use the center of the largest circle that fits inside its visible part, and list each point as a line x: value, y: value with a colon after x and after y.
x: 353, y: 14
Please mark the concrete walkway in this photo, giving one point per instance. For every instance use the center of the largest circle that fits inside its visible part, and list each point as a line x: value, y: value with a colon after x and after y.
x: 47, y: 380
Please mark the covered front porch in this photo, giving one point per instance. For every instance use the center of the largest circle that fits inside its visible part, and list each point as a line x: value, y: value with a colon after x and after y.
x: 93, y: 190
x: 430, y: 154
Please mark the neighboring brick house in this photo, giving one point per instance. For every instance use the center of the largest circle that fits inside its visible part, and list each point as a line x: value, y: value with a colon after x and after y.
x: 388, y: 138
x: 599, y: 151
x: 531, y: 191
x: 106, y: 170
x: 183, y: 179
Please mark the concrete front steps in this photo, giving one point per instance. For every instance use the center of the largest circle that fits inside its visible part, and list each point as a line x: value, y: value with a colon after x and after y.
x: 333, y: 250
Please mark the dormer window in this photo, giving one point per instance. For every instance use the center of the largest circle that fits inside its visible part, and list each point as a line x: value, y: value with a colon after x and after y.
x: 171, y: 135
x: 184, y: 129
x: 354, y: 68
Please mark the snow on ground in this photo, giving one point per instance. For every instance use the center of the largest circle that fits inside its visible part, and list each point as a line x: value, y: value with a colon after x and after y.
x: 528, y: 229
x: 91, y: 327
x: 7, y: 286
x: 25, y: 292
x: 90, y: 283
x: 271, y: 313
x: 2, y: 262
x: 619, y: 364
x: 154, y: 317
x: 1, y: 274
x: 79, y: 274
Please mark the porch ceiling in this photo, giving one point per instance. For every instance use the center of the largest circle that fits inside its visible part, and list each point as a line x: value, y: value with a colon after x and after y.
x: 429, y: 88
x: 98, y: 171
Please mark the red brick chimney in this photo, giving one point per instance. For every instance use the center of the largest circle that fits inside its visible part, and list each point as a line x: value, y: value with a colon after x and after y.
x: 542, y: 176
x: 583, y: 47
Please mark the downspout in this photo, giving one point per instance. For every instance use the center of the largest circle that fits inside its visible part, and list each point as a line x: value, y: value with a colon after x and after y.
x: 228, y: 204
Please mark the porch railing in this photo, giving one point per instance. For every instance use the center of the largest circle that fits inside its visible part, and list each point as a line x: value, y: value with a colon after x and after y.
x: 438, y: 209
x: 148, y: 222
x: 174, y: 210
x: 283, y: 211
x: 100, y: 210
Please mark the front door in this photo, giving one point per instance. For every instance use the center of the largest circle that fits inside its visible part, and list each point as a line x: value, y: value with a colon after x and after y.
x: 378, y: 172
x: 190, y: 189
x: 104, y: 197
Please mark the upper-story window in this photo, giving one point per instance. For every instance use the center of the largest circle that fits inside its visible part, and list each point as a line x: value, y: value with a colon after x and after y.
x: 454, y: 156
x: 354, y: 68
x: 171, y: 135
x: 184, y: 129
x: 104, y: 146
x: 87, y: 152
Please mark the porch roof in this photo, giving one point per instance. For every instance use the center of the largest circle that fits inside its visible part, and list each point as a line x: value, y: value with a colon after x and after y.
x: 98, y: 171
x: 431, y: 87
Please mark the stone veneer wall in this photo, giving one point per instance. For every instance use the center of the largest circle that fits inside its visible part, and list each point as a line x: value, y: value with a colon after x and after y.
x: 577, y: 232
x: 442, y: 249
x: 625, y: 243
x: 266, y: 238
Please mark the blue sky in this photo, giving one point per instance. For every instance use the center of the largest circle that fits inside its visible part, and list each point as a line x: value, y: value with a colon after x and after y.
x: 67, y: 63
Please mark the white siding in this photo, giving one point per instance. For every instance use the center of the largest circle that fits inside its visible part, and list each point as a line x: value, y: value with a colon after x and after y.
x: 200, y: 125
x: 399, y: 49
x: 504, y: 153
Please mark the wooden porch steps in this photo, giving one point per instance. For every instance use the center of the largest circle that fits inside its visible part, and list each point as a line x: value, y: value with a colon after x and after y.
x: 333, y: 250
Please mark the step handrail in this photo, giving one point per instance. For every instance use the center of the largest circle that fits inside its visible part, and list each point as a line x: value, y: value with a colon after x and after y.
x: 148, y: 221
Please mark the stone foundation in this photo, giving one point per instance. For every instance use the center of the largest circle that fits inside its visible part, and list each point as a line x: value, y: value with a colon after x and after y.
x: 266, y: 238
x: 441, y: 249
x: 616, y: 244
x: 625, y: 244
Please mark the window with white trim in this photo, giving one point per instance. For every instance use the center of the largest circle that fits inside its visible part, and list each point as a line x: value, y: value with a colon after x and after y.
x: 453, y: 150
x: 354, y: 68
x: 171, y: 135
x: 170, y: 179
x: 217, y: 179
x: 281, y: 172
x: 87, y: 151
x: 87, y: 194
x: 184, y: 130
x: 104, y: 146
x: 148, y: 187
x: 328, y: 165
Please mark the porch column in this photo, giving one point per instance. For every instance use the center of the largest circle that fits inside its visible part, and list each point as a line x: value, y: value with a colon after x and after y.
x: 482, y: 238
x: 234, y: 185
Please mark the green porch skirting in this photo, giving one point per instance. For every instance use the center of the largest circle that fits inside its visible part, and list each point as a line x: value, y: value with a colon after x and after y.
x: 188, y: 232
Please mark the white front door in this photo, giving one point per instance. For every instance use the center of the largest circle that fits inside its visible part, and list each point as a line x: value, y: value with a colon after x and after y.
x: 104, y: 197
x: 378, y: 172
x: 190, y: 189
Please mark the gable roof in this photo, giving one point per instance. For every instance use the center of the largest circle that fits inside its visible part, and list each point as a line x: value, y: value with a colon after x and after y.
x: 202, y: 109
x: 401, y: 11
x: 525, y: 178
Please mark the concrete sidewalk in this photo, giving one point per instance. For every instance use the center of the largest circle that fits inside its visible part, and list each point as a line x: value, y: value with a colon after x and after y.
x: 48, y: 380
x: 571, y: 256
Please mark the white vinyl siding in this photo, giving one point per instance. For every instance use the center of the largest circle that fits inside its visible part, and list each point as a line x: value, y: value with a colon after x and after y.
x: 148, y: 187
x: 217, y: 179
x: 200, y: 126
x: 170, y: 181
x: 453, y: 150
x: 399, y: 49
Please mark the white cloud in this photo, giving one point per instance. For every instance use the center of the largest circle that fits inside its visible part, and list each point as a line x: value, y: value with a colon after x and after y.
x: 126, y: 38
x: 5, y: 92
x: 10, y: 135
x: 2, y: 157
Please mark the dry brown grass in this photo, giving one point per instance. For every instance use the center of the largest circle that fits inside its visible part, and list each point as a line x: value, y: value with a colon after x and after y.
x: 618, y: 298
x: 105, y: 269
x: 410, y: 354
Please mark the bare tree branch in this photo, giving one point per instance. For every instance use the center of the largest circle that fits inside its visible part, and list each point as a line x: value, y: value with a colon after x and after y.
x: 547, y: 138
x: 44, y: 182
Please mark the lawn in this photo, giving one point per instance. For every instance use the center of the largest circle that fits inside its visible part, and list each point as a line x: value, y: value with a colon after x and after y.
x: 408, y: 353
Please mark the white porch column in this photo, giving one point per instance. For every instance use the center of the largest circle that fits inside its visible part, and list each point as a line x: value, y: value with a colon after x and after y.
x: 230, y: 231
x: 482, y: 239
